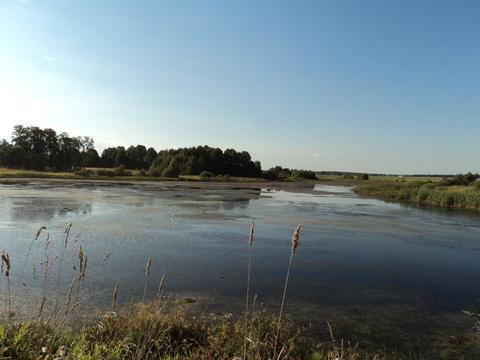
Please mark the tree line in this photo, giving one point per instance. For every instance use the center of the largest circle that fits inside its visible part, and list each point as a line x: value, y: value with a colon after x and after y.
x: 44, y: 149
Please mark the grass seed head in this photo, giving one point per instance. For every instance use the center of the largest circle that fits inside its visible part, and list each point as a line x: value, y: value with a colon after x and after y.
x: 296, y: 238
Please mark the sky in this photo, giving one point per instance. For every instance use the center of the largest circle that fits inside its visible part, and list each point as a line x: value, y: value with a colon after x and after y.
x: 369, y: 86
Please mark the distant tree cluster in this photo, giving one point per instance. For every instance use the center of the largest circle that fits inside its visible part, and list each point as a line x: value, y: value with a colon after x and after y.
x: 43, y: 149
x: 39, y: 149
x: 279, y: 173
x: 460, y: 179
x: 134, y: 157
x: 195, y: 160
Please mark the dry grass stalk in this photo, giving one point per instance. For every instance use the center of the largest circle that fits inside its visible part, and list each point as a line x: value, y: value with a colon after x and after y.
x: 40, y: 311
x: 6, y: 271
x: 147, y: 273
x: 37, y: 235
x: 114, y: 297
x: 67, y: 302
x: 160, y: 286
x: 104, y: 260
x: 82, y: 266
x: 295, y: 240
x: 250, y: 244
x: 62, y: 252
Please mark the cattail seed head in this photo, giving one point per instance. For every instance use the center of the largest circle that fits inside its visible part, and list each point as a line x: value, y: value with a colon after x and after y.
x: 296, y: 238
x: 6, y: 264
x: 40, y: 231
x: 252, y: 233
x: 67, y: 232
x: 114, y: 297
x: 149, y: 265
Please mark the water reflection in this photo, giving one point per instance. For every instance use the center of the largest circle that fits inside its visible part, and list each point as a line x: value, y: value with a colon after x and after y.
x: 44, y: 209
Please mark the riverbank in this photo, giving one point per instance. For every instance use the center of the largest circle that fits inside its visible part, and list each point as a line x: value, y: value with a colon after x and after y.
x: 423, y: 194
x: 421, y: 191
x: 157, y: 331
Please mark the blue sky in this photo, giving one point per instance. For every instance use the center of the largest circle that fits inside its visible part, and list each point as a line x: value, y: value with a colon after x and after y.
x: 378, y: 86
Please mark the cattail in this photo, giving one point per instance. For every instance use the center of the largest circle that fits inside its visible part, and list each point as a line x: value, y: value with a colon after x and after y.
x: 295, y: 241
x: 130, y: 311
x: 40, y: 231
x: 296, y: 238
x: 250, y: 244
x: 104, y: 260
x: 84, y: 269
x: 80, y: 259
x: 6, y: 264
x: 160, y: 286
x: 47, y: 242
x: 147, y: 273
x: 67, y: 233
x: 114, y: 297
x: 149, y: 265
x: 251, y: 235
x: 6, y: 268
x: 41, y: 307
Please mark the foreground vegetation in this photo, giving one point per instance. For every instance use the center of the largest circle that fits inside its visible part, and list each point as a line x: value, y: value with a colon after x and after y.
x: 155, y: 332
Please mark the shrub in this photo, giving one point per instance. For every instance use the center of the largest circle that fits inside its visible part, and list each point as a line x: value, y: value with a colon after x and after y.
x: 476, y: 185
x: 121, y: 171
x: 205, y: 175
x: 84, y: 172
x: 104, y: 172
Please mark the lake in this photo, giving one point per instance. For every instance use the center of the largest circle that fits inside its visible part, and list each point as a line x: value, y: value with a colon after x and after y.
x: 382, y: 274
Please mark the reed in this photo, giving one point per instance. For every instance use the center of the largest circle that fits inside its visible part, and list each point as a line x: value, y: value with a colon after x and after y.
x: 6, y: 271
x: 27, y: 256
x: 295, y: 240
x: 249, y: 267
x: 147, y: 273
x: 63, y: 249
x: 114, y: 297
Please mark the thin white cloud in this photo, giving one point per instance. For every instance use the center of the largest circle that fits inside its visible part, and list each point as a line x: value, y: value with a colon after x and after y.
x: 315, y: 155
x: 48, y: 58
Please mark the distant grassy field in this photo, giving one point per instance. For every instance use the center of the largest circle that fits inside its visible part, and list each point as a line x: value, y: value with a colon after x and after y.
x: 123, y: 174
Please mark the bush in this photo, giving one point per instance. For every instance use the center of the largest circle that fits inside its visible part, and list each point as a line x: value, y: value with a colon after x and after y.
x: 205, y: 175
x: 104, y: 172
x: 142, y: 172
x: 362, y: 177
x: 121, y: 171
x: 83, y: 172
x: 156, y: 172
x: 476, y: 185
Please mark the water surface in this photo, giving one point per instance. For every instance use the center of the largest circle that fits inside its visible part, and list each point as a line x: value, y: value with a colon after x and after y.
x: 381, y: 273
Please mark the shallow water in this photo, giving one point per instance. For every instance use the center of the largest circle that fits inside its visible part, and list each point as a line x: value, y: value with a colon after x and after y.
x: 381, y: 273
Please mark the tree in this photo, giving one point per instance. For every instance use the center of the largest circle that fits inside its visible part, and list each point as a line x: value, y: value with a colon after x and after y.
x: 150, y: 156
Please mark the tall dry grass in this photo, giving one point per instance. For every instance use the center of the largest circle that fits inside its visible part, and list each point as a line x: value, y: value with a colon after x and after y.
x: 293, y: 248
x: 249, y: 269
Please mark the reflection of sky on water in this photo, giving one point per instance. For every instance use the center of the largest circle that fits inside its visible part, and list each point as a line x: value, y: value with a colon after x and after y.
x: 356, y: 255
